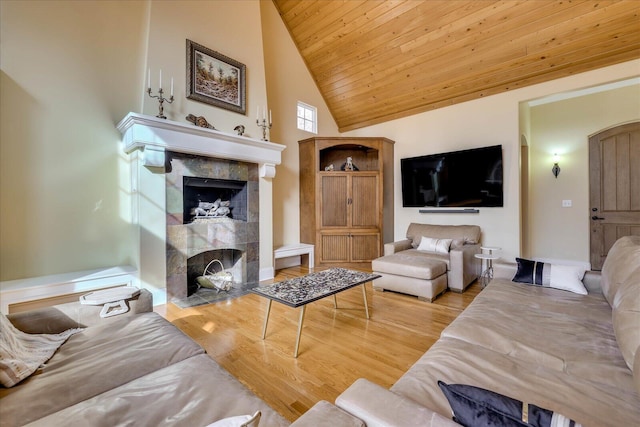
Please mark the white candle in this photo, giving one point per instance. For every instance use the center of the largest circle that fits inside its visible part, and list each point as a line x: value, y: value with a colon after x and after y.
x: 149, y: 79
x: 270, y: 120
x: 160, y: 87
x: 264, y: 113
x: 171, y: 86
x: 257, y: 112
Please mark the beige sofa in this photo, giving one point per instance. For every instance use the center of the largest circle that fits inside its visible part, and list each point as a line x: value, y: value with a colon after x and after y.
x: 577, y: 355
x: 427, y: 274
x: 134, y: 369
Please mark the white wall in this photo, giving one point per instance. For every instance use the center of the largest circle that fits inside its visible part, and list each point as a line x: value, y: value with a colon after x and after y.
x: 484, y: 122
x: 487, y: 121
x: 564, y: 127
x: 288, y: 81
x: 70, y: 72
x: 233, y: 29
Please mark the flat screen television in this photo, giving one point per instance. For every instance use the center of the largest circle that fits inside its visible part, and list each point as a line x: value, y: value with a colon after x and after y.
x: 466, y: 178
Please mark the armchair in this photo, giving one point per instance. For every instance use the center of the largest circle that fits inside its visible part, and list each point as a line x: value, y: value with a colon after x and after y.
x: 406, y: 267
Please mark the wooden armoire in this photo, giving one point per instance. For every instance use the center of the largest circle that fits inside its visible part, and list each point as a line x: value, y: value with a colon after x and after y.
x: 346, y: 214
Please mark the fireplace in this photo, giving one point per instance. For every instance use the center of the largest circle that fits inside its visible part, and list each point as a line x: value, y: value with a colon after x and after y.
x: 165, y: 241
x: 212, y: 214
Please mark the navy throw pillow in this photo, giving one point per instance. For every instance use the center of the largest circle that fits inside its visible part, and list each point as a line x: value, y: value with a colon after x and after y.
x: 476, y: 407
x: 533, y: 272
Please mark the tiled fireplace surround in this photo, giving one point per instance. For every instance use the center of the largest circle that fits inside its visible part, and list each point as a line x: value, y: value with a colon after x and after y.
x: 160, y: 153
x: 191, y: 246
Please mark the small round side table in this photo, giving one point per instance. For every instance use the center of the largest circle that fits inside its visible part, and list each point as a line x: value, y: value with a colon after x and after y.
x: 487, y: 256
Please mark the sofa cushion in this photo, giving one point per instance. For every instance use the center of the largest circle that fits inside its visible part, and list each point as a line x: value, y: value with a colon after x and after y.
x: 592, y: 403
x: 565, y: 277
x: 324, y: 414
x: 410, y: 263
x: 559, y: 330
x: 622, y: 259
x: 60, y: 317
x: 626, y: 317
x: 193, y: 392
x: 95, y: 360
x: 378, y: 407
x: 470, y: 234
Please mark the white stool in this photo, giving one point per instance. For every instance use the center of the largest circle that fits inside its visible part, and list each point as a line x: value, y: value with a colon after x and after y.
x: 304, y: 250
x: 488, y: 255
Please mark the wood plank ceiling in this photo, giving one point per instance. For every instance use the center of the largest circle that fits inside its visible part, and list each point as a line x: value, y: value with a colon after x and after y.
x: 375, y: 61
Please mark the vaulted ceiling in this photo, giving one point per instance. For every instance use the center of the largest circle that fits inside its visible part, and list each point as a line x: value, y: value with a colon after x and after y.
x: 378, y: 60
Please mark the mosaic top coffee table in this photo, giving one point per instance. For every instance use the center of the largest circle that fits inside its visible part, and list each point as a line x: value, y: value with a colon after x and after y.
x: 302, y: 290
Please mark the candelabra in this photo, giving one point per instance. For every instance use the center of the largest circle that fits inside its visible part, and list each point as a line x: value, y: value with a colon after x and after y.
x: 161, y: 99
x: 264, y: 125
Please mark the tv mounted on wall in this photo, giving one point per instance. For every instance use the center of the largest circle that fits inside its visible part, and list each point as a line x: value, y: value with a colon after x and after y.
x: 467, y: 178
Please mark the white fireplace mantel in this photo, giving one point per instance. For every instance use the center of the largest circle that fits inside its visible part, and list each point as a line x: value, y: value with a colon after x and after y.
x: 154, y: 136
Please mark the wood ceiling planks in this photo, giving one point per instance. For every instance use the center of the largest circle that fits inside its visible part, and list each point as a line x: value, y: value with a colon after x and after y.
x: 375, y: 61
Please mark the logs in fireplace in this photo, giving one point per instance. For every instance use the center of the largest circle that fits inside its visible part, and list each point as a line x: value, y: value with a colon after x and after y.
x: 214, y: 198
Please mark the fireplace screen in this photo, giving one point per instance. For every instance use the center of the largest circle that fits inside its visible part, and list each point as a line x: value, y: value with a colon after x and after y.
x: 214, y: 198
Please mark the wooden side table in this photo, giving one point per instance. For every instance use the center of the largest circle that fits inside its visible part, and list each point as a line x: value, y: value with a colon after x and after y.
x: 487, y: 256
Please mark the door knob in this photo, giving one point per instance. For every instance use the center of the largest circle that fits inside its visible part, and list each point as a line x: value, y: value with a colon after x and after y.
x: 596, y: 218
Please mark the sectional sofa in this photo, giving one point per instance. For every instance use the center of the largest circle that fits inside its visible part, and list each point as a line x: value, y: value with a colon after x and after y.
x: 569, y: 353
x: 572, y: 354
x: 134, y: 369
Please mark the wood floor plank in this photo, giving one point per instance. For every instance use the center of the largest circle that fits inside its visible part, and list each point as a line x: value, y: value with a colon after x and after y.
x: 336, y: 348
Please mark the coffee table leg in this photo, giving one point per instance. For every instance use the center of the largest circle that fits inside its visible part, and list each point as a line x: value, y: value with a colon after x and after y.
x: 266, y: 319
x: 366, y: 304
x: 335, y: 301
x: 295, y: 353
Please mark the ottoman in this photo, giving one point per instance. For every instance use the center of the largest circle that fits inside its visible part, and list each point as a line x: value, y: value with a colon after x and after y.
x: 411, y: 273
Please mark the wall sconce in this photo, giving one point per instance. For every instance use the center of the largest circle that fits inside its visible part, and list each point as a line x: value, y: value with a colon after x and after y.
x: 555, y: 170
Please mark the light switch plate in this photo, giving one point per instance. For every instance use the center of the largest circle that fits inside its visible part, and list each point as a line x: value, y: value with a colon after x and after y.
x: 566, y: 203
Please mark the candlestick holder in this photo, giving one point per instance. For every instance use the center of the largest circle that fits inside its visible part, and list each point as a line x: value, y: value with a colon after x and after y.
x: 161, y: 99
x: 264, y: 125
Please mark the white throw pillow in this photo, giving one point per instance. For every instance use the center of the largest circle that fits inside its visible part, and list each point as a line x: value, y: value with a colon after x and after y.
x: 238, y: 421
x: 567, y: 278
x: 439, y: 246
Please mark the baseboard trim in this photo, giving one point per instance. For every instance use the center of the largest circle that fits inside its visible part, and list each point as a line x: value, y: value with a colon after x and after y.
x: 266, y: 273
x: 34, y: 288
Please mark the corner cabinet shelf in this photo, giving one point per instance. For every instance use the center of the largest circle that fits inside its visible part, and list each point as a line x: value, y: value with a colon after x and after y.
x: 347, y: 215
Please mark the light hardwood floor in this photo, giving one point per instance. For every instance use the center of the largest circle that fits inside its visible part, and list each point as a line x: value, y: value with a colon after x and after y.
x: 337, y: 346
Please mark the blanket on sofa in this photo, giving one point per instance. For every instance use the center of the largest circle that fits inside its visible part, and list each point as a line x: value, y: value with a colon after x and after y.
x: 21, y: 354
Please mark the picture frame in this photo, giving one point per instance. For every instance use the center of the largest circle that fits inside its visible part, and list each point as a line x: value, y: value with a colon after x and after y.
x: 215, y: 79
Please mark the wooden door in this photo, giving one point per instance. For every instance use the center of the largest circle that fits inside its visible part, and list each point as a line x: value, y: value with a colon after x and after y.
x: 614, y: 180
x: 365, y: 246
x: 333, y: 202
x: 334, y: 247
x: 365, y: 204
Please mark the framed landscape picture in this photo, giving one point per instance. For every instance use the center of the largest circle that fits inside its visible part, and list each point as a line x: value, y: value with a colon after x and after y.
x: 215, y: 79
